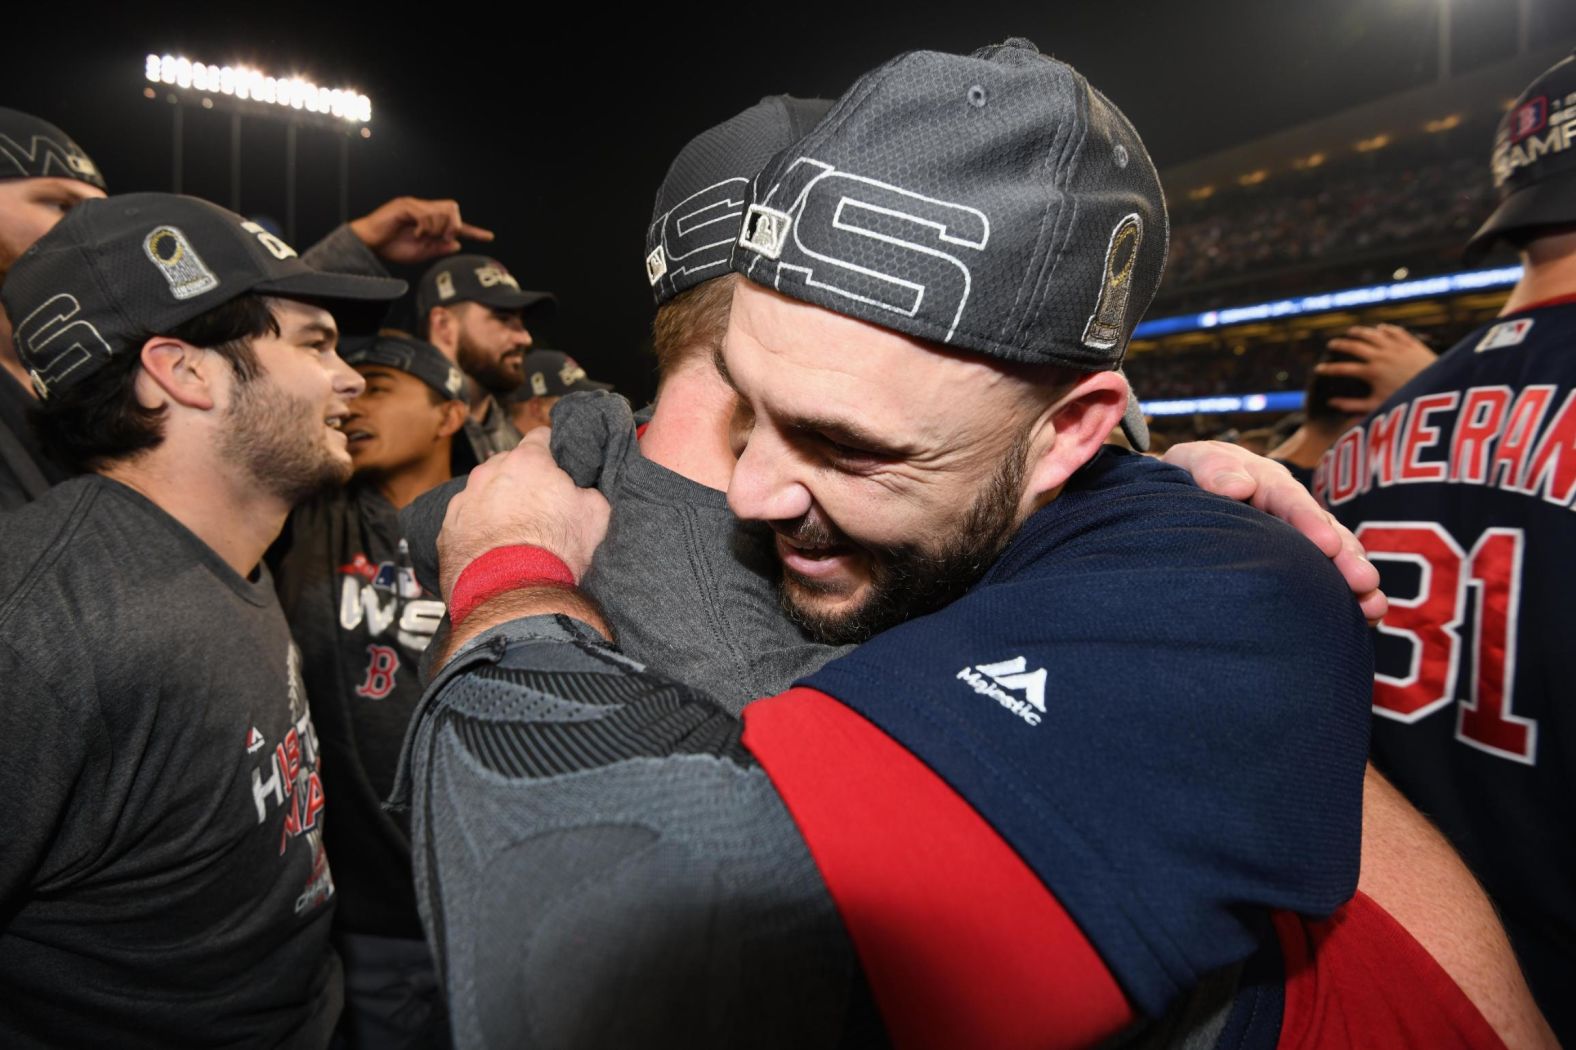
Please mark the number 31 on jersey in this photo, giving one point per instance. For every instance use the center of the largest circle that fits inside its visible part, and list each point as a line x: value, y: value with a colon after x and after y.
x: 1452, y: 582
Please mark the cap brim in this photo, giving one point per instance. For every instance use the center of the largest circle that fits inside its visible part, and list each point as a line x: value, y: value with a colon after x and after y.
x: 1133, y: 424
x: 321, y: 286
x: 503, y: 297
x: 1548, y: 203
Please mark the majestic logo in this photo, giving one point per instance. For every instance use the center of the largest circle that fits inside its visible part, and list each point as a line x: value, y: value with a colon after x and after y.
x: 1000, y: 681
x: 490, y: 276
x: 254, y: 741
x: 1104, y: 329
x: 183, y: 269
x: 445, y: 285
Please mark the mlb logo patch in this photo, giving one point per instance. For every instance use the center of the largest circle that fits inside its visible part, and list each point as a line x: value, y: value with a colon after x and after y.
x: 1529, y: 118
x: 1502, y: 335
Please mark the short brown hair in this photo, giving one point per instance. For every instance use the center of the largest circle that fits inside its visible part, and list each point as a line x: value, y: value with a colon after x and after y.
x: 691, y: 324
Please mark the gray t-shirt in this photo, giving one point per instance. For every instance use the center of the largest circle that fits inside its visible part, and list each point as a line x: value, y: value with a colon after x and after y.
x: 688, y: 590
x: 162, y: 872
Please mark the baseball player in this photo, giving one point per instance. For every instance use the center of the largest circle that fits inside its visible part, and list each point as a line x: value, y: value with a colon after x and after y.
x: 164, y: 880
x: 472, y: 308
x: 43, y: 175
x: 549, y: 375
x: 897, y: 853
x: 362, y: 621
x: 1460, y: 486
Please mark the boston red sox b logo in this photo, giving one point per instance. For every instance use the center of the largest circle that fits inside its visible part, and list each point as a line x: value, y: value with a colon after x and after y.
x: 382, y: 666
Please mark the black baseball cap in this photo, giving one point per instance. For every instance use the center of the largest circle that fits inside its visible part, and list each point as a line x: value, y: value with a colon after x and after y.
x: 476, y: 279
x: 551, y: 373
x: 31, y: 148
x: 994, y: 202
x: 118, y: 269
x: 407, y: 354
x: 1534, y: 160
x: 696, y: 218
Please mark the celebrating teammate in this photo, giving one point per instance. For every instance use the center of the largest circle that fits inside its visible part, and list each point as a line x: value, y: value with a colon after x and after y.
x: 163, y: 878
x: 969, y: 771
x: 1461, y: 486
x: 472, y: 308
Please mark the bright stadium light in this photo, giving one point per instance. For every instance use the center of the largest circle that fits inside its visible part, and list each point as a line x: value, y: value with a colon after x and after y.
x: 248, y: 84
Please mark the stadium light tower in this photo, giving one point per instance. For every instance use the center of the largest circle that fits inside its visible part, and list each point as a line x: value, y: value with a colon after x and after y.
x: 245, y: 91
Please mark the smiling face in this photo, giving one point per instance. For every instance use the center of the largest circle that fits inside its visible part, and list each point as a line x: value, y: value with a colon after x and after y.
x: 491, y: 346
x: 397, y: 423
x: 29, y: 208
x: 892, y: 472
x: 285, y: 425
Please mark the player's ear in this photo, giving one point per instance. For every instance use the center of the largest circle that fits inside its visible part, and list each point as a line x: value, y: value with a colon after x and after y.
x: 452, y: 419
x: 441, y: 325
x: 176, y: 372
x: 1069, y: 432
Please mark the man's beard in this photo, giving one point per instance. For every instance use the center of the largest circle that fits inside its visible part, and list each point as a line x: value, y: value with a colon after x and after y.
x: 908, y: 581
x: 490, y: 373
x: 278, y: 441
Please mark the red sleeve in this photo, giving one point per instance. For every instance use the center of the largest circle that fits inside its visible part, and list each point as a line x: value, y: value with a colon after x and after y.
x: 960, y: 942
x: 1359, y: 979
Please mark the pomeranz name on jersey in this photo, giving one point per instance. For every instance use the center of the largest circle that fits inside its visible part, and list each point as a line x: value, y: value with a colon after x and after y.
x: 1519, y: 441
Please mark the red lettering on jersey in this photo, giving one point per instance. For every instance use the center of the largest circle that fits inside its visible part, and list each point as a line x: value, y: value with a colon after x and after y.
x: 1552, y: 473
x: 290, y: 758
x: 1420, y: 436
x: 1482, y: 414
x: 382, y: 666
x: 313, y: 803
x: 1321, y: 480
x: 1484, y: 719
x: 1382, y: 432
x: 1427, y: 620
x: 1521, y: 429
x: 1347, y: 474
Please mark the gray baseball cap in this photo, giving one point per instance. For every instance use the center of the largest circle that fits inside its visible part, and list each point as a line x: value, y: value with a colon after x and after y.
x: 994, y: 202
x: 406, y: 354
x: 476, y: 279
x: 31, y: 148
x: 696, y: 218
x: 119, y: 269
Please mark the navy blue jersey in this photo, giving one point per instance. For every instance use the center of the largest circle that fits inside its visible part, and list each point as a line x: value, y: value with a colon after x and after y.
x: 1461, y: 488
x: 1159, y: 698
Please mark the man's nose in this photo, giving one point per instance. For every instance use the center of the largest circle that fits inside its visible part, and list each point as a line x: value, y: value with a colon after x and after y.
x: 348, y: 383
x: 767, y: 483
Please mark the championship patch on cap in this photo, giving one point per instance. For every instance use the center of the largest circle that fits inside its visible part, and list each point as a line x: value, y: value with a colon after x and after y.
x: 445, y: 285
x: 455, y: 383
x: 1104, y: 329
x: 169, y: 250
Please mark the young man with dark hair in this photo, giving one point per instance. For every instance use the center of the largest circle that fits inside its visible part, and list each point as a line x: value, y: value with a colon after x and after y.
x: 362, y: 622
x: 164, y: 880
x: 472, y: 309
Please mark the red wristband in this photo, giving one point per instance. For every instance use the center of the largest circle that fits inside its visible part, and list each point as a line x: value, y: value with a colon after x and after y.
x: 505, y: 569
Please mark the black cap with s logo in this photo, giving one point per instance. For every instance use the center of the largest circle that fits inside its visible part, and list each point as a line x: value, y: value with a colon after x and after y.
x: 116, y: 271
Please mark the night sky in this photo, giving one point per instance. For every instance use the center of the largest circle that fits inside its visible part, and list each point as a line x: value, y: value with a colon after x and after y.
x: 557, y: 136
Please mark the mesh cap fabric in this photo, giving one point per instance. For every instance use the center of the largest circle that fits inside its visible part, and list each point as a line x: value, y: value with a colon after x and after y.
x: 476, y: 279
x: 32, y: 149
x: 994, y: 202
x: 406, y: 354
x: 702, y: 199
x: 1534, y: 159
x: 117, y: 270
